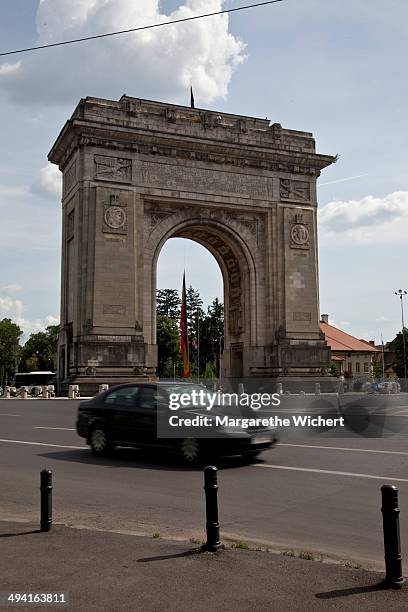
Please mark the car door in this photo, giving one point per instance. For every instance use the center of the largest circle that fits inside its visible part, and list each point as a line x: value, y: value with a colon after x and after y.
x: 119, y: 407
x: 145, y: 415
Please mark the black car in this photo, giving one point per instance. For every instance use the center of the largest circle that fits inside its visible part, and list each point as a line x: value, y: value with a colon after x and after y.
x: 127, y: 415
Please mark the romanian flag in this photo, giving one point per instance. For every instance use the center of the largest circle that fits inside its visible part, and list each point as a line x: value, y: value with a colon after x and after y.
x: 184, y: 348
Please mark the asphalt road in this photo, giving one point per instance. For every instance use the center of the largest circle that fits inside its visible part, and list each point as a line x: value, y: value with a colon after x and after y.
x: 118, y: 573
x: 315, y: 491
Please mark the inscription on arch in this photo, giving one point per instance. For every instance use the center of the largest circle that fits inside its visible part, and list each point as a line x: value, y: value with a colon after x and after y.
x: 202, y: 180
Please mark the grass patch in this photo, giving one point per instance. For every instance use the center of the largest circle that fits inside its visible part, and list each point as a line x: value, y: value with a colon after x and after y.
x: 303, y: 554
x: 240, y: 545
x: 308, y: 556
x: 156, y: 535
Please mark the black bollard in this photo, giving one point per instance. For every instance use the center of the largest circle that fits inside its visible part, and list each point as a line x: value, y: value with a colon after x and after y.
x: 46, y: 500
x: 211, y: 506
x: 392, y: 543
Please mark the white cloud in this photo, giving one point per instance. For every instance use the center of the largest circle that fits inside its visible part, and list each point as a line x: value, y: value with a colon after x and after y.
x: 10, y: 308
x: 13, y: 309
x: 161, y: 62
x: 32, y: 326
x: 366, y: 221
x: 48, y: 182
x: 9, y: 68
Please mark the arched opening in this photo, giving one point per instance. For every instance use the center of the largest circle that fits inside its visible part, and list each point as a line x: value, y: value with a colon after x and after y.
x: 238, y: 273
x: 205, y: 308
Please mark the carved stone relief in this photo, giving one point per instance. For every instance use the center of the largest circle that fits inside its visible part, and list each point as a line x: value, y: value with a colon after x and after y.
x: 114, y: 216
x: 114, y: 169
x: 202, y: 180
x: 294, y: 190
x: 299, y: 233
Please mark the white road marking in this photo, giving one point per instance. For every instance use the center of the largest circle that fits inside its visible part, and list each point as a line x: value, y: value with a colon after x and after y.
x: 12, y: 415
x: 44, y: 444
x: 343, y: 448
x: 59, y: 428
x: 331, y: 472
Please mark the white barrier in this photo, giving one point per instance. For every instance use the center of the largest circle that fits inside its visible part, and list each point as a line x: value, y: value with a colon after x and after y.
x: 279, y: 388
x: 51, y: 390
x: 317, y: 388
x: 73, y: 391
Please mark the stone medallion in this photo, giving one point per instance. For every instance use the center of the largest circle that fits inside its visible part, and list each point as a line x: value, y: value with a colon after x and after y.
x: 115, y: 217
x: 299, y: 234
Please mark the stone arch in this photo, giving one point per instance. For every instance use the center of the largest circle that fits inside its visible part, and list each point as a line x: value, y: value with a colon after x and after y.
x: 136, y: 172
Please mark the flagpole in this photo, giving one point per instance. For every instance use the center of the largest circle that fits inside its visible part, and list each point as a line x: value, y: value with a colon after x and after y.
x: 198, y: 348
x: 219, y: 360
x: 184, y: 340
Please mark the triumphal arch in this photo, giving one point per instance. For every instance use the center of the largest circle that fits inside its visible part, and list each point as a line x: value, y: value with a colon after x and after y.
x: 138, y: 172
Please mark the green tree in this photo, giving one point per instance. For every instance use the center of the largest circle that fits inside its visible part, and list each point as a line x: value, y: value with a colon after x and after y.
x: 10, y: 335
x: 334, y: 370
x: 168, y: 303
x: 397, y: 346
x: 39, y: 352
x: 168, y: 345
x: 194, y: 305
x: 205, y: 332
x: 209, y: 372
x: 195, y: 318
x: 377, y: 368
x: 212, y: 335
x: 52, y: 332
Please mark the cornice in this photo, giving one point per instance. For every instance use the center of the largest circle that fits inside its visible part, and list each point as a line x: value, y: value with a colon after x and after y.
x: 79, y: 134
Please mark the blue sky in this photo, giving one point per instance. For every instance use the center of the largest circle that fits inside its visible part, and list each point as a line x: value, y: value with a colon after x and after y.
x: 335, y: 68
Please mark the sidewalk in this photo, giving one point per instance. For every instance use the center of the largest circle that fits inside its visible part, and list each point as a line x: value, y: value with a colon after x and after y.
x: 104, y: 571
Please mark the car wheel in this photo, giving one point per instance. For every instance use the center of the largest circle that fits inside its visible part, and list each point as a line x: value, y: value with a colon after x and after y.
x: 100, y: 442
x: 190, y: 451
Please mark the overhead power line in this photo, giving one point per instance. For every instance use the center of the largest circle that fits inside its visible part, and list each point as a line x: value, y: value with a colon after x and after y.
x: 147, y: 27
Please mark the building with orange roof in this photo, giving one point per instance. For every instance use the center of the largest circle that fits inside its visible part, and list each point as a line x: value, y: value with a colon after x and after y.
x: 351, y: 356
